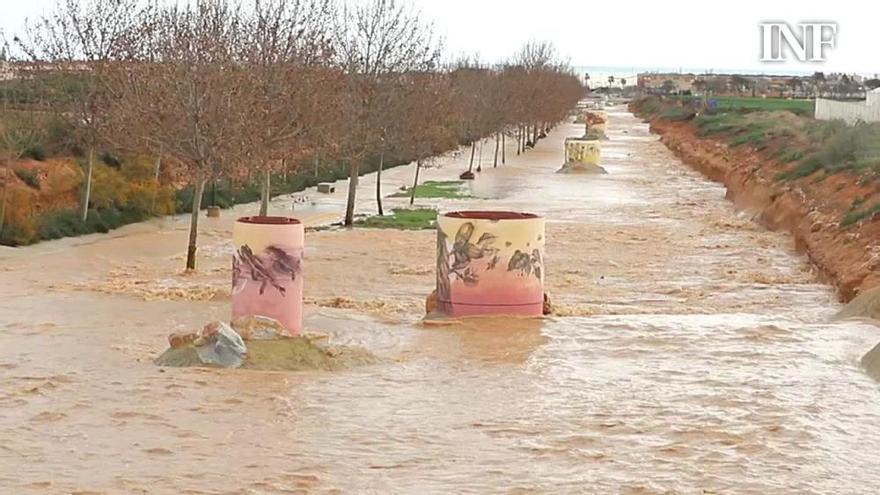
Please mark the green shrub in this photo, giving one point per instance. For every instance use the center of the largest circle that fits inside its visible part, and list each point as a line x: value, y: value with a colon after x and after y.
x: 36, y: 152
x: 677, y: 114
x: 854, y: 217
x: 110, y: 159
x: 785, y: 155
x: 67, y: 223
x: 29, y: 177
x: 805, y: 168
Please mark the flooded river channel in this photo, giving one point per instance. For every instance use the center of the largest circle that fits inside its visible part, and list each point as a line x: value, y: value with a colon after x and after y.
x: 689, y: 354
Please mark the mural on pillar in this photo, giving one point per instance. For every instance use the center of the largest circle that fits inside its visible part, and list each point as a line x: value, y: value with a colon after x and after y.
x: 597, y: 118
x: 274, y: 268
x: 490, y: 266
x: 582, y: 151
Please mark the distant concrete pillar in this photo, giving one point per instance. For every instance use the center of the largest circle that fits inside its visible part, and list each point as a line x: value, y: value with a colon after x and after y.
x: 597, y: 121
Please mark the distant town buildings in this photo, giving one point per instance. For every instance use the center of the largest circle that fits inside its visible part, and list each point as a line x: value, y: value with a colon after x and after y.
x: 818, y: 85
x: 668, y: 83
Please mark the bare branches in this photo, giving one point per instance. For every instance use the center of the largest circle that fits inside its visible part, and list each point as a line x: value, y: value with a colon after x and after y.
x: 225, y: 88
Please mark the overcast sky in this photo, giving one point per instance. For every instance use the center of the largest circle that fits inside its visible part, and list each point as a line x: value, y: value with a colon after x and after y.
x: 670, y: 34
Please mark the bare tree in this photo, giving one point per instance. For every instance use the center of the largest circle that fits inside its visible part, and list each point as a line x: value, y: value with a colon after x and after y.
x: 16, y: 136
x: 425, y: 112
x: 375, y: 41
x: 287, y: 52
x: 75, y: 44
x: 183, y: 89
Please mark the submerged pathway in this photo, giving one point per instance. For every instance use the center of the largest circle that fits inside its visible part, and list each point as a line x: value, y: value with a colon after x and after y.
x: 690, y: 353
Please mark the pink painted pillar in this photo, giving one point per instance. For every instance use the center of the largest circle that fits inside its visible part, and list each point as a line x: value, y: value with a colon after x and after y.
x: 490, y: 263
x: 267, y: 269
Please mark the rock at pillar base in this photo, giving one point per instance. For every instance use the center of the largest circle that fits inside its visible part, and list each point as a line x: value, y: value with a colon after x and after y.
x: 581, y: 168
x: 431, y: 303
x: 259, y: 328
x: 220, y: 345
x: 217, y: 344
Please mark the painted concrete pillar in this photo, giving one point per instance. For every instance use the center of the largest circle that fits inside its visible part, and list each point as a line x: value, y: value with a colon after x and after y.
x: 490, y: 263
x: 582, y: 151
x: 267, y: 269
x: 597, y: 120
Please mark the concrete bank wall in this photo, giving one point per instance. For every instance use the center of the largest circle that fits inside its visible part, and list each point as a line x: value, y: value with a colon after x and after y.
x: 850, y: 112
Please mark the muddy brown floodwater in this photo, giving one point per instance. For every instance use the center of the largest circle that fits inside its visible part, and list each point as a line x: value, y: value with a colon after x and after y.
x: 689, y: 354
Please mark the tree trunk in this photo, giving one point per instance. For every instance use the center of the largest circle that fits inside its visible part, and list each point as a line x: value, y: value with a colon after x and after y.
x: 194, y: 224
x: 87, y: 187
x: 412, y: 194
x: 156, y: 182
x: 317, y: 162
x: 497, y: 145
x: 379, y: 182
x: 3, y: 198
x: 519, y: 139
x: 473, y: 149
x: 480, y: 159
x: 353, y: 169
x: 503, y: 148
x: 266, y: 192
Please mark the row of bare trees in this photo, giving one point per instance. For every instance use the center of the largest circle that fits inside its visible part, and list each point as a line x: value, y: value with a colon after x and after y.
x: 234, y: 89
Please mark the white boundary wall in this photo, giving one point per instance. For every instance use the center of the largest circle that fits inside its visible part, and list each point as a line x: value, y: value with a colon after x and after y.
x: 850, y: 112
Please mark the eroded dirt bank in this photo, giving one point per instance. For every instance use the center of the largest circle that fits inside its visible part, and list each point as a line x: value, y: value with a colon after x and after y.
x: 809, y: 209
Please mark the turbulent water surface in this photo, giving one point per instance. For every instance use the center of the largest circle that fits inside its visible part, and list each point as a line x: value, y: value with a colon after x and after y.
x: 689, y: 354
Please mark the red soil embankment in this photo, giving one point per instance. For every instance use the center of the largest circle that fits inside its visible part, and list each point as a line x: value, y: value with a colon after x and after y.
x: 811, y: 210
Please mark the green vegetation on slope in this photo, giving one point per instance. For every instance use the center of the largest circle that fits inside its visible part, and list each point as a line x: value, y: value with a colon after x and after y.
x: 748, y: 103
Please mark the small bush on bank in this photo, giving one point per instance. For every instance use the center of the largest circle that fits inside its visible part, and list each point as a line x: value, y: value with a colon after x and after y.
x: 854, y: 217
x: 67, y: 223
x: 36, y: 152
x: 29, y: 177
x: 110, y: 159
x: 676, y: 114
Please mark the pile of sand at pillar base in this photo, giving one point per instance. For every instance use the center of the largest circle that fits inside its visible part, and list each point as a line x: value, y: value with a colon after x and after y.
x: 871, y: 362
x: 263, y: 344
x: 581, y: 168
x: 288, y: 354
